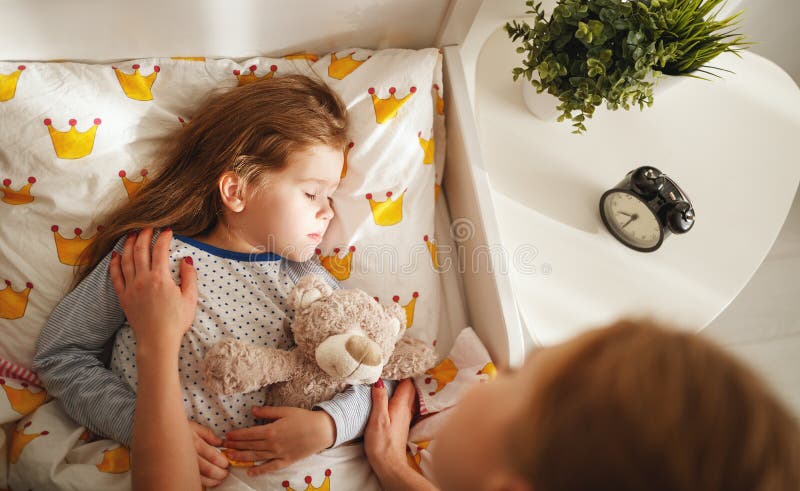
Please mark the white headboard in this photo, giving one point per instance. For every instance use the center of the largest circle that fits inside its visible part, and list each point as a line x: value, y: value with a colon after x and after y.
x: 102, y: 30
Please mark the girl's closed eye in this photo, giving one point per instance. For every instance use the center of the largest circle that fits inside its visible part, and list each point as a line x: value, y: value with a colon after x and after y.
x: 310, y: 196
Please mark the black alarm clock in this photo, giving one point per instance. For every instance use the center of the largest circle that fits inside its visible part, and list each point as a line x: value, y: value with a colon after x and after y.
x: 644, y: 208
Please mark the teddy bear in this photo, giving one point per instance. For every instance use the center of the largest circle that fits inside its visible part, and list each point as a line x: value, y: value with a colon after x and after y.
x: 342, y: 337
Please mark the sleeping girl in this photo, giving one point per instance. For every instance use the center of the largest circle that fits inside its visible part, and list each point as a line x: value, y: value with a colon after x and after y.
x: 243, y: 195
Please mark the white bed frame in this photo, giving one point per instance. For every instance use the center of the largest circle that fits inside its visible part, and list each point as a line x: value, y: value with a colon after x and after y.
x: 104, y: 30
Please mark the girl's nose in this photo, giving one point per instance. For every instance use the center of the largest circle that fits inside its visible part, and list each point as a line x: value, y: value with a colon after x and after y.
x: 326, y: 210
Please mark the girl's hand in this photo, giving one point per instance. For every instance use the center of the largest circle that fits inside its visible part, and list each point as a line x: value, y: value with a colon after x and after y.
x: 386, y: 435
x: 158, y: 310
x: 213, y: 465
x: 293, y: 434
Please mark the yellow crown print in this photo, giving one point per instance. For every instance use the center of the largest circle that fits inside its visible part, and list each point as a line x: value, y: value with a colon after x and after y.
x: 342, y: 67
x: 310, y: 57
x: 12, y: 303
x: 189, y: 58
x: 436, y: 190
x: 8, y: 84
x: 387, y: 213
x: 19, y: 440
x: 115, y: 461
x: 23, y: 400
x: 346, y: 154
x: 409, y: 308
x: 325, y: 486
x: 443, y: 374
x: 489, y: 370
x: 414, y: 459
x: 252, y: 77
x: 135, y: 85
x: 19, y: 197
x: 70, y: 250
x: 432, y: 249
x: 386, y: 109
x: 132, y: 187
x: 72, y: 144
x: 427, y: 149
x: 339, y: 267
x: 439, y: 101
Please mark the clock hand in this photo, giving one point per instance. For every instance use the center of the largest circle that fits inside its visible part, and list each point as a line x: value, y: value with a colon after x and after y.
x: 626, y: 223
x: 623, y: 213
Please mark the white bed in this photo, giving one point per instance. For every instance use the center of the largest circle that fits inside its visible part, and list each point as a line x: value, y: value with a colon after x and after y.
x: 475, y: 293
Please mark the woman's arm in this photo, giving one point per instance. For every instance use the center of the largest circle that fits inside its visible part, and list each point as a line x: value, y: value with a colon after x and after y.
x: 69, y: 351
x: 159, y: 312
x: 386, y: 437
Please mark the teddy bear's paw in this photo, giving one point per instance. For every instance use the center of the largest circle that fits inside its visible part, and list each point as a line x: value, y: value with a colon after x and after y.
x: 228, y: 370
x: 411, y: 357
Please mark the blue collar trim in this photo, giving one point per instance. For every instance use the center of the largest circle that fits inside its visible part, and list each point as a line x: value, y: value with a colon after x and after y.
x: 224, y: 253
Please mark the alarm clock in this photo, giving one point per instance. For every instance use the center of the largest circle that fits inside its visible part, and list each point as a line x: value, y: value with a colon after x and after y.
x: 644, y: 208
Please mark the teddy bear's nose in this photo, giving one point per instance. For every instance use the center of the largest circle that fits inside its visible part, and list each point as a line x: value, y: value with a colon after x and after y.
x: 363, y: 350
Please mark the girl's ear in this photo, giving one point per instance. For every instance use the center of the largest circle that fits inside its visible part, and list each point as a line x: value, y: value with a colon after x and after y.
x: 231, y: 190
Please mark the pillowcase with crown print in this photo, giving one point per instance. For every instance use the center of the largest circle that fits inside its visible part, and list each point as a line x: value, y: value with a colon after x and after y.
x: 77, y: 139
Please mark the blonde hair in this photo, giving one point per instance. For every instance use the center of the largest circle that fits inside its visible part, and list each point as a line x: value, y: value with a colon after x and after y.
x: 249, y: 130
x: 636, y: 406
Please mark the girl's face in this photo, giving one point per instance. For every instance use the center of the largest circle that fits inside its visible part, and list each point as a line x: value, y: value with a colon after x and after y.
x: 290, y: 213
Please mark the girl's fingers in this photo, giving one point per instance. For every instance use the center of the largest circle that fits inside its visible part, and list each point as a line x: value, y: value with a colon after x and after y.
x: 128, y: 269
x: 161, y: 251
x: 141, y: 250
x: 115, y: 270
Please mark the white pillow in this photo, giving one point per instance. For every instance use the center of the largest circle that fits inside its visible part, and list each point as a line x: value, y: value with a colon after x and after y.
x: 71, y: 131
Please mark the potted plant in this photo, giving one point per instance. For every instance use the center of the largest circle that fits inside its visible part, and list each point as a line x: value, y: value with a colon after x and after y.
x: 594, y: 51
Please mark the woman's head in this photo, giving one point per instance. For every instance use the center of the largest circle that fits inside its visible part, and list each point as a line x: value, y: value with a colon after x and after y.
x: 628, y: 407
x: 225, y: 160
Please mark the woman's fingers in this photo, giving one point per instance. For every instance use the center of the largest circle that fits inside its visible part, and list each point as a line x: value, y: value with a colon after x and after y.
x: 128, y: 268
x: 161, y: 251
x: 209, y: 483
x: 141, y: 250
x: 380, y: 402
x: 211, y: 471
x: 115, y: 270
x: 402, y: 403
x: 188, y: 279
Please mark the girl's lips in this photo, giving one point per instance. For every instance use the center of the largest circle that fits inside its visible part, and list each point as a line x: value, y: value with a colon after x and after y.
x: 317, y: 237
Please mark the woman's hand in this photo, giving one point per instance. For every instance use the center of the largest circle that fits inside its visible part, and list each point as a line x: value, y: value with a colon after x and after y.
x: 293, y: 434
x: 158, y: 310
x: 386, y: 435
x: 213, y: 465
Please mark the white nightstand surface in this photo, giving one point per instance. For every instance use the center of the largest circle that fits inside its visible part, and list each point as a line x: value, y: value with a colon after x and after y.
x: 731, y: 144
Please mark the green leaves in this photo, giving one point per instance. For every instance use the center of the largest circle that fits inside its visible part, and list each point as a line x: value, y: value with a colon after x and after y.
x: 593, y: 51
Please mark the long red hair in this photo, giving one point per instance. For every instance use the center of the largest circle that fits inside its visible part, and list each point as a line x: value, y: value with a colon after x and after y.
x: 249, y: 130
x: 636, y: 406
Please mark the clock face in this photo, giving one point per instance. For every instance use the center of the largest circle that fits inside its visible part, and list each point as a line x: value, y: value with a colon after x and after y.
x: 631, y: 221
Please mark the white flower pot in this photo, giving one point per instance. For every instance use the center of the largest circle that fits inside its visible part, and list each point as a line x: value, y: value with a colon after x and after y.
x: 543, y: 105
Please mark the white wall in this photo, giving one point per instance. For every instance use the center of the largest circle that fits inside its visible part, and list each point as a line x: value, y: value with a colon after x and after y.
x: 773, y: 25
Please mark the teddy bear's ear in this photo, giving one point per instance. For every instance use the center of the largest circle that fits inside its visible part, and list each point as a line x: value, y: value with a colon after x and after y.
x: 308, y: 290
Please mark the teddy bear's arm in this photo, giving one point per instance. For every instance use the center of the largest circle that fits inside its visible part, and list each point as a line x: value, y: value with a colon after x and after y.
x: 411, y: 357
x: 233, y: 367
